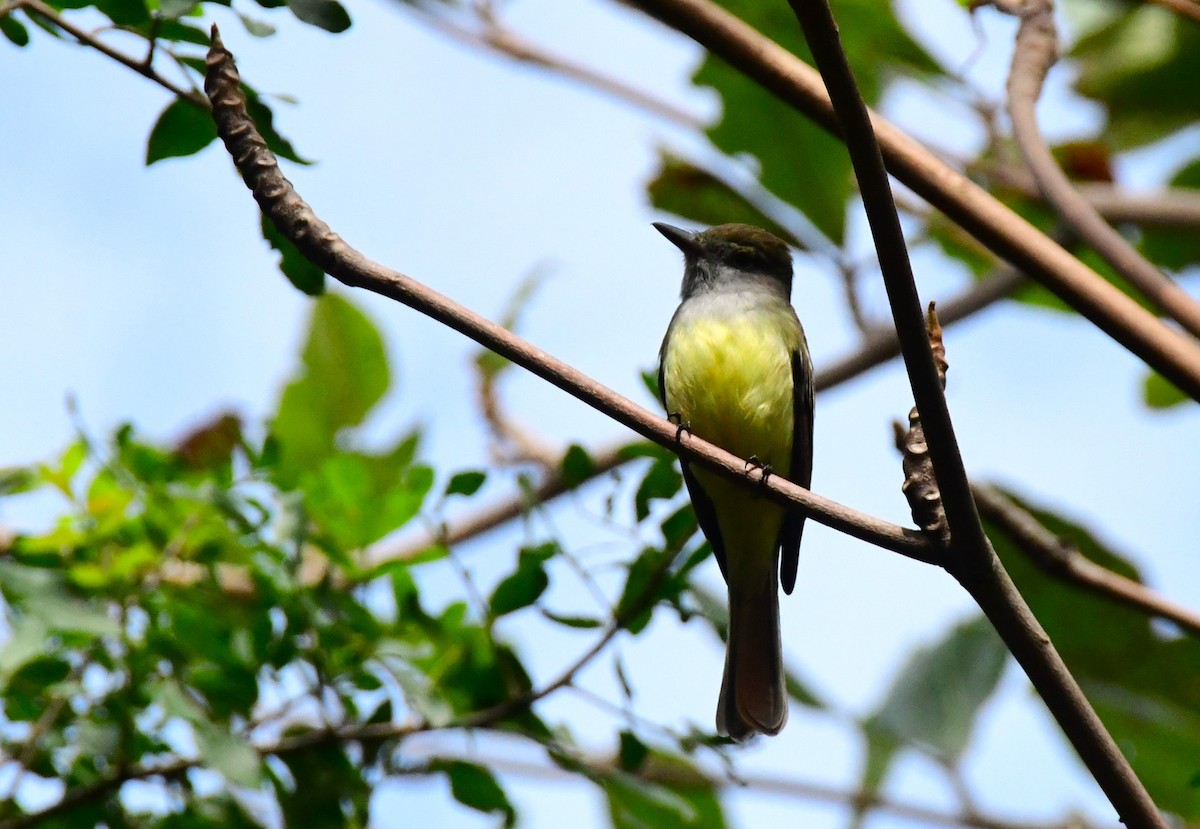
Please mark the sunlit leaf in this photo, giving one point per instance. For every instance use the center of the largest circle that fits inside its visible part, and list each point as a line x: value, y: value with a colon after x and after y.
x: 182, y: 129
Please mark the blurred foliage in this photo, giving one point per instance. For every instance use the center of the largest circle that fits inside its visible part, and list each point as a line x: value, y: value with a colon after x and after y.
x: 1143, y: 680
x: 202, y: 607
x: 199, y: 615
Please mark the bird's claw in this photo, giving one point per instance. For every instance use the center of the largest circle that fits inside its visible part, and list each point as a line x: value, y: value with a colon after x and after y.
x: 681, y: 425
x: 753, y: 462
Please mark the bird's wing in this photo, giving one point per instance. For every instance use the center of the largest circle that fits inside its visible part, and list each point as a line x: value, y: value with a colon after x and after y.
x: 706, y: 514
x: 801, y: 467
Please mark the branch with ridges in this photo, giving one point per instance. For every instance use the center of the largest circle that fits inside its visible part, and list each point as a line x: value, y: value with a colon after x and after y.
x: 970, y: 559
x: 1174, y: 355
x: 1035, y: 53
x: 322, y: 246
x: 920, y: 485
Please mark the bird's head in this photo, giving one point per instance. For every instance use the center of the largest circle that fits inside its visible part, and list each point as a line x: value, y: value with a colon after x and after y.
x: 730, y: 251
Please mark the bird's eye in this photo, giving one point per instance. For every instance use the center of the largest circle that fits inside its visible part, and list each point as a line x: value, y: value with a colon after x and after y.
x: 742, y: 258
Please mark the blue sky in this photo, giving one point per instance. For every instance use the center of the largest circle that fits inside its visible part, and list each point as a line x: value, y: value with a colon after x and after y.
x: 148, y: 295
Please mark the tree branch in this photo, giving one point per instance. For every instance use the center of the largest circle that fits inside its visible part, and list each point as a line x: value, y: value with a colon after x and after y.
x: 296, y: 220
x: 972, y: 561
x: 879, y: 346
x: 821, y: 32
x: 1168, y: 207
x: 1173, y: 354
x: 1036, y: 51
x: 142, y: 67
x: 493, y: 35
x: 1058, y: 557
x: 762, y: 784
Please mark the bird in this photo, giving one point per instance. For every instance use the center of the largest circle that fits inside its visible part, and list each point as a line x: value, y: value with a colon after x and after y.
x: 734, y: 369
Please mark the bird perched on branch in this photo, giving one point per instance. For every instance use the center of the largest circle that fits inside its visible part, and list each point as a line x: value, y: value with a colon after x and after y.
x: 734, y: 369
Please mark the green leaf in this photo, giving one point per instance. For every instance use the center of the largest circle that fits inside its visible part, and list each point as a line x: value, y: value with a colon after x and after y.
x: 1175, y: 248
x: 325, y: 14
x: 256, y: 27
x: 1161, y: 393
x: 935, y: 699
x: 17, y: 479
x: 1141, y: 65
x: 124, y: 12
x: 176, y: 8
x: 302, y: 273
x: 232, y: 756
x: 14, y: 30
x: 474, y: 786
x: 683, y: 189
x: 182, y: 129
x: 357, y: 507
x: 466, y: 483
x: 643, y: 587
x: 661, y: 482
x: 1142, y: 682
x: 632, y: 753
x: 264, y: 119
x: 326, y: 790
x: 756, y: 122
x: 679, y: 527
x: 579, y: 622
x: 689, y: 800
x: 577, y: 466
x: 526, y: 584
x: 344, y: 374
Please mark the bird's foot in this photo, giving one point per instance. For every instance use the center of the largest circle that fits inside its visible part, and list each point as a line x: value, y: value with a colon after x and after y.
x: 681, y: 425
x: 753, y: 462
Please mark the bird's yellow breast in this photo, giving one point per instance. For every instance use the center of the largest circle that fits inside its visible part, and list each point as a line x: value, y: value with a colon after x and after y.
x: 730, y: 381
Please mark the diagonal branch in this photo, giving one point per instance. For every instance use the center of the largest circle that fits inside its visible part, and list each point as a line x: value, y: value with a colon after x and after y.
x: 794, y: 82
x: 321, y: 245
x: 877, y: 347
x: 1035, y: 53
x: 971, y: 559
x: 1061, y: 559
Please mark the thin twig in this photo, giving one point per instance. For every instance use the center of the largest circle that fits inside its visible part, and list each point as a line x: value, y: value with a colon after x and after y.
x: 1035, y: 53
x: 1167, y: 207
x: 492, y: 35
x: 1062, y: 559
x: 757, y: 783
x: 794, y: 82
x: 296, y: 220
x: 971, y: 561
x: 141, y: 67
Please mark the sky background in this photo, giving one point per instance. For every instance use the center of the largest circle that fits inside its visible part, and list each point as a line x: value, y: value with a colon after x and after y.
x: 148, y: 295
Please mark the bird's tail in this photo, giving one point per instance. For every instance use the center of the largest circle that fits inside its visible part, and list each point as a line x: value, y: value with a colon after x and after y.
x: 753, y: 695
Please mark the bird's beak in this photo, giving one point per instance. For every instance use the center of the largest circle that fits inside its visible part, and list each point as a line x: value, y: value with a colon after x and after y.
x: 680, y: 238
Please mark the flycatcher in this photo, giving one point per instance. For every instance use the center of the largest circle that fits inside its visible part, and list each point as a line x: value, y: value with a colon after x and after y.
x: 734, y: 369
